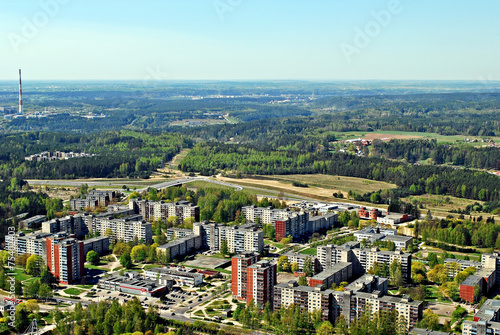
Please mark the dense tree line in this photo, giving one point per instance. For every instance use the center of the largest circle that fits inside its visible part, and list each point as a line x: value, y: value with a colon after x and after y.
x: 479, y: 233
x: 440, y: 153
x: 209, y: 158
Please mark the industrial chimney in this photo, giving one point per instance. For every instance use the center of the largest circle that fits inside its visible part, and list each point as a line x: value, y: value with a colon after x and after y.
x: 20, y: 94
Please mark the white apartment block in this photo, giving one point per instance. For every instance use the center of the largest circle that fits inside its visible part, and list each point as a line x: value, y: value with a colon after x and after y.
x: 245, y: 238
x: 362, y: 259
x: 152, y: 210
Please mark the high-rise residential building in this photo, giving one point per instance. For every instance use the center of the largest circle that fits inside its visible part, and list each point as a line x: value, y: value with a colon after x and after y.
x: 162, y: 210
x: 33, y: 244
x: 295, y: 257
x: 309, y: 299
x: 245, y: 238
x: 65, y: 258
x: 126, y: 229
x: 261, y: 278
x: 289, y: 223
x: 99, y: 244
x: 366, y: 292
x: 71, y: 224
x: 181, y: 247
x: 363, y: 258
x: 239, y: 271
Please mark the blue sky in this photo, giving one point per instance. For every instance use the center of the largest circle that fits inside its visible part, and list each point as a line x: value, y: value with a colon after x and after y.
x: 250, y: 39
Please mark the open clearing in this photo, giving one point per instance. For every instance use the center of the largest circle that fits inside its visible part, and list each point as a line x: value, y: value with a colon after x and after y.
x: 327, y: 183
x: 439, y: 206
x: 387, y: 135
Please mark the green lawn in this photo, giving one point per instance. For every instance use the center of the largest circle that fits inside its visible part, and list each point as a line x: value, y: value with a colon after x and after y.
x: 73, y: 291
x: 90, y: 266
x: 274, y: 244
x: 310, y: 251
x: 21, y: 275
x: 87, y: 287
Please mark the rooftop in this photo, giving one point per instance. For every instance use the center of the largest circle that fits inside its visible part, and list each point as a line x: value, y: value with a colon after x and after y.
x: 330, y: 271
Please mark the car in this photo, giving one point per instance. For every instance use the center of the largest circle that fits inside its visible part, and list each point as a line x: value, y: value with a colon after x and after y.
x: 173, y: 313
x: 199, y: 299
x: 109, y: 292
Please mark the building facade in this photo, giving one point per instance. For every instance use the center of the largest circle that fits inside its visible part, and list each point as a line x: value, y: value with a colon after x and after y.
x: 65, y: 258
x: 239, y: 271
x: 162, y: 210
x: 261, y: 279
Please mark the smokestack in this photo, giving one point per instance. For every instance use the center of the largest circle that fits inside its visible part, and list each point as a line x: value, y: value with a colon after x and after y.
x: 20, y: 94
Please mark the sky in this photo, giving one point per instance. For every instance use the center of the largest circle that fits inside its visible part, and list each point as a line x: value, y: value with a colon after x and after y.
x: 250, y: 39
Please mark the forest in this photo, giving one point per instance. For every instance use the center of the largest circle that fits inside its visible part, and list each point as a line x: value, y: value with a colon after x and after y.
x: 118, y: 154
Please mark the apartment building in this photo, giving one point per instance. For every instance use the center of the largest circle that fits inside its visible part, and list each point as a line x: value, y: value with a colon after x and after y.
x: 477, y: 285
x: 366, y: 292
x: 461, y: 265
x: 71, y: 224
x: 173, y: 233
x: 410, y: 311
x: 162, y: 210
x: 98, y: 244
x: 181, y: 247
x: 33, y: 244
x: 363, y: 258
x: 295, y: 257
x: 339, y: 272
x: 93, y: 199
x: 245, y: 238
x: 486, y: 321
x: 65, y: 258
x: 261, y: 278
x: 492, y: 261
x: 239, y: 273
x: 309, y: 299
x: 372, y: 234
x: 125, y: 229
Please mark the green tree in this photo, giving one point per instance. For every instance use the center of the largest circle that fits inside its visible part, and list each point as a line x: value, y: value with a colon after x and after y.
x: 308, y: 267
x: 303, y: 281
x: 295, y: 267
x: 21, y: 321
x: 93, y: 257
x: 139, y: 253
x: 34, y: 265
x: 45, y: 292
x: 430, y: 320
x: 325, y: 328
x: 224, y: 249
x: 126, y: 261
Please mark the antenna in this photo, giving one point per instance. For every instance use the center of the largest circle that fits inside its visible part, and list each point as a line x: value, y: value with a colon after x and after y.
x: 20, y: 94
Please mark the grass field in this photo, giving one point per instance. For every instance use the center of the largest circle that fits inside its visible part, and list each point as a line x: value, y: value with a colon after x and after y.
x: 73, y: 291
x: 274, y: 244
x: 20, y: 275
x: 336, y: 183
x: 89, y: 266
x: 206, y: 184
x: 87, y: 287
x: 310, y: 251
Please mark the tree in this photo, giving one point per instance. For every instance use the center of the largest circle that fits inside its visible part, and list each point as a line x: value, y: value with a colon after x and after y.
x: 45, y: 292
x: 32, y: 306
x: 109, y: 232
x: 303, y: 281
x: 325, y: 328
x: 430, y: 320
x: 224, y: 249
x: 308, y: 268
x: 21, y: 321
x: 282, y: 260
x: 33, y: 265
x: 295, y: 267
x: 396, y: 273
x: 126, y: 261
x: 93, y: 257
x: 32, y: 289
x: 18, y: 288
x: 173, y: 221
x: 139, y: 253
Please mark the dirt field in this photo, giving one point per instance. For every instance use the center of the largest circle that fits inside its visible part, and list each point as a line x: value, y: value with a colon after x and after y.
x: 319, y: 185
x: 442, y: 309
x: 388, y: 137
x: 284, y: 277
